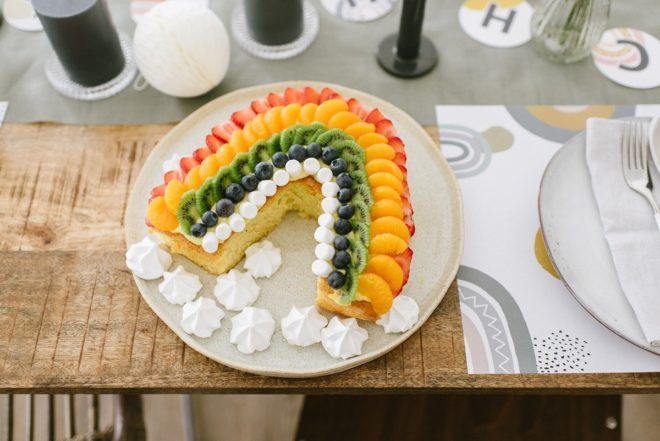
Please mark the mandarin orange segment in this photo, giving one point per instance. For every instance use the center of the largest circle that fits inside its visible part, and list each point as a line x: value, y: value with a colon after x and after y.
x: 376, y: 289
x: 193, y: 179
x: 237, y: 142
x: 173, y: 192
x: 273, y: 119
x: 384, y: 165
x: 387, y: 180
x: 383, y: 192
x: 225, y: 155
x: 209, y: 167
x: 386, y: 207
x: 343, y: 119
x: 386, y: 267
x: 380, y: 151
x: 290, y: 114
x: 360, y: 128
x: 369, y: 139
x: 160, y: 216
x: 249, y: 137
x: 307, y: 113
x: 390, y: 224
x: 327, y: 109
x: 387, y: 243
x: 259, y: 127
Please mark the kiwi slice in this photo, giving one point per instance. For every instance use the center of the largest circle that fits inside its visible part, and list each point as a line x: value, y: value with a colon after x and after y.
x: 222, y: 180
x: 353, y: 165
x: 350, y: 288
x: 349, y: 149
x: 187, y: 213
x: 258, y: 153
x: 305, y: 134
x: 362, y: 212
x: 273, y: 144
x: 362, y: 232
x: 287, y: 136
x: 363, y: 192
x: 316, y: 135
x: 333, y: 135
x: 240, y: 166
x: 359, y: 177
x: 205, y: 196
x: 359, y: 256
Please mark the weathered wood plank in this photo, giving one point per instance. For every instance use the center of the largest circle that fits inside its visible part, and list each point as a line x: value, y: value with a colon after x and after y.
x: 72, y: 320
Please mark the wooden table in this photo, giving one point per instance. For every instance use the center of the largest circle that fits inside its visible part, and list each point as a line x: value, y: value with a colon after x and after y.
x: 72, y: 320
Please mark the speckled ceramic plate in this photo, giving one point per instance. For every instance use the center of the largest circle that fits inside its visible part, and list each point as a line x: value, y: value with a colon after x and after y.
x: 437, y: 244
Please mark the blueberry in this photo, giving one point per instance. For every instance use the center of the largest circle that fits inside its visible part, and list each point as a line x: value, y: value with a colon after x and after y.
x: 198, y: 230
x: 341, y: 243
x: 264, y: 170
x: 297, y: 152
x: 344, y: 180
x: 209, y: 219
x: 338, y: 166
x: 314, y: 150
x: 343, y: 226
x: 250, y: 182
x: 329, y: 154
x: 224, y: 208
x: 235, y: 193
x: 341, y: 260
x: 336, y: 280
x: 279, y: 159
x: 345, y: 195
x: 346, y: 211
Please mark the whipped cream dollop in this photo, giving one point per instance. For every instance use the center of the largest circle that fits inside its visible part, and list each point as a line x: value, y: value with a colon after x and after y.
x: 179, y: 286
x: 262, y: 259
x: 201, y: 317
x: 252, y: 329
x: 236, y: 290
x: 343, y: 338
x: 302, y: 326
x: 147, y: 259
x: 402, y: 316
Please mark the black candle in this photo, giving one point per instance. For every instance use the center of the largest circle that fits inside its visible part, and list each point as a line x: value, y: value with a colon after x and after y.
x: 274, y: 22
x: 410, y: 29
x: 83, y: 37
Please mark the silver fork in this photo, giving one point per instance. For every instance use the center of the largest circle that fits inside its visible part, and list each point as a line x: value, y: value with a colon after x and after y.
x: 635, y: 163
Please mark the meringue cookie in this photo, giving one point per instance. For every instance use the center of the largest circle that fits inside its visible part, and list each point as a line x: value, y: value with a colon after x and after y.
x: 330, y: 205
x: 147, y: 259
x: 173, y: 163
x: 330, y: 189
x: 324, y: 251
x: 236, y: 223
x: 402, y: 316
x: 311, y: 166
x: 321, y: 268
x: 327, y: 220
x: 258, y: 198
x: 201, y: 317
x: 324, y: 235
x: 210, y: 242
x: 294, y: 168
x: 179, y: 286
x: 262, y: 259
x: 236, y: 290
x: 281, y: 178
x: 267, y: 187
x: 323, y: 175
x: 302, y: 327
x: 223, y: 231
x: 252, y: 330
x: 343, y: 338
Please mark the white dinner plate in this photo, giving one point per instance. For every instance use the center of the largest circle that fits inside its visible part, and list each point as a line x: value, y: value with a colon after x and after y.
x: 575, y: 240
x: 437, y: 243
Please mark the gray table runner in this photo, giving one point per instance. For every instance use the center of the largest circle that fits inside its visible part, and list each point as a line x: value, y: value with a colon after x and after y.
x: 468, y: 73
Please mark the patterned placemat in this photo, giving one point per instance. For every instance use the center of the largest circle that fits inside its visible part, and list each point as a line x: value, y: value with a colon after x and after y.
x: 517, y: 315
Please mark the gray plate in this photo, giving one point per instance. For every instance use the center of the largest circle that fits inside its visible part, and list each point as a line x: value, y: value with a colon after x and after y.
x: 574, y: 236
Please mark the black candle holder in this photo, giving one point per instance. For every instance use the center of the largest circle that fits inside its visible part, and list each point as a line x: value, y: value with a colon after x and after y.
x: 408, y: 54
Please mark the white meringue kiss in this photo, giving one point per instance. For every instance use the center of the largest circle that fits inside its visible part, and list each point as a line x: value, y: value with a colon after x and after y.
x: 252, y: 329
x: 330, y: 189
x: 324, y: 235
x: 311, y: 166
x: 343, y: 338
x: 324, y: 251
x: 179, y: 286
x: 330, y: 205
x: 281, y: 178
x: 327, y: 220
x: 294, y: 169
x: 267, y: 187
x: 201, y: 317
x: 236, y: 290
x: 302, y: 327
x: 402, y: 316
x: 321, y: 268
x: 236, y: 223
x: 262, y: 259
x: 147, y: 260
x: 257, y: 198
x: 210, y: 242
x: 223, y: 231
x: 323, y: 175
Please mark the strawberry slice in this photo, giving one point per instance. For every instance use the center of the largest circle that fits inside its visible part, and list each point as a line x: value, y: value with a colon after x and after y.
x: 404, y: 260
x: 223, y: 131
x: 400, y: 160
x: 386, y: 128
x: 397, y: 144
x: 172, y: 174
x: 354, y: 106
x: 407, y: 207
x: 187, y: 163
x: 374, y: 116
x: 157, y: 191
x: 311, y: 95
x: 328, y: 94
x: 213, y: 143
x: 292, y: 95
x: 274, y: 100
x: 202, y: 153
x: 146, y: 221
x: 241, y: 117
x: 403, y: 169
x: 260, y: 106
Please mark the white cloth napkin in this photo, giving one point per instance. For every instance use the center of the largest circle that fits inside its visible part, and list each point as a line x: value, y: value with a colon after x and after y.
x: 629, y: 225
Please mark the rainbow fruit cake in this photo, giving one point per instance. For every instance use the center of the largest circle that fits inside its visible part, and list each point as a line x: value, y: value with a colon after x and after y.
x: 314, y: 152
